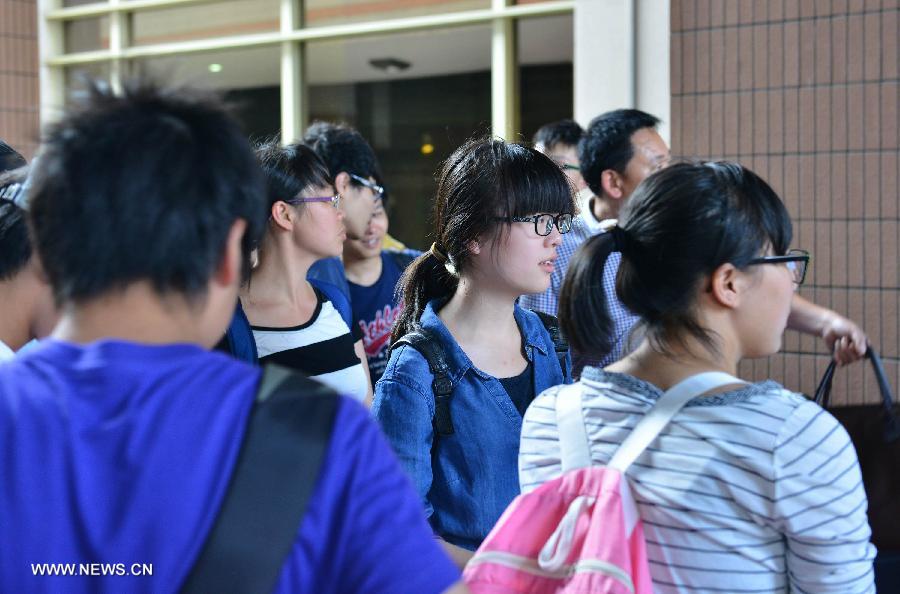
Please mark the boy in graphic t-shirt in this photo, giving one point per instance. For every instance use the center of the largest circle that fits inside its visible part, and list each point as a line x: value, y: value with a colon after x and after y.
x: 372, y: 273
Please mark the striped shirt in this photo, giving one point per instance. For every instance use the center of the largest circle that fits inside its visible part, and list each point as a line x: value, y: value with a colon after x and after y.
x: 322, y: 348
x: 753, y: 490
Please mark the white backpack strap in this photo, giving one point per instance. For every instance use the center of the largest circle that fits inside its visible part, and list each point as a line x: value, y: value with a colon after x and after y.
x: 662, y: 412
x: 575, y: 451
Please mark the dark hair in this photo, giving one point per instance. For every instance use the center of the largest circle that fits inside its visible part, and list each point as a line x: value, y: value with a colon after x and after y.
x: 343, y: 149
x: 681, y: 224
x: 483, y: 179
x: 566, y: 132
x: 144, y: 185
x: 15, y: 242
x: 9, y: 158
x: 606, y: 143
x: 289, y: 170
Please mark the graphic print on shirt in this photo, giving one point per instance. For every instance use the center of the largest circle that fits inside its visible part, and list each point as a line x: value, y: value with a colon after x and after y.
x: 377, y: 336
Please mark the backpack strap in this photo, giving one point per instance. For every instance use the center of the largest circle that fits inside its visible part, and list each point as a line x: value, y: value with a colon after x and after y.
x: 429, y: 347
x: 287, y: 436
x: 560, y: 344
x: 575, y: 451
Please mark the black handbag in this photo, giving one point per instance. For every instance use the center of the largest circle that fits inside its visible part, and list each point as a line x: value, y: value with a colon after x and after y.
x: 875, y: 432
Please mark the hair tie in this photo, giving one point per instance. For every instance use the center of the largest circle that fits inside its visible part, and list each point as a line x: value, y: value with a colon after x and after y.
x: 620, y: 238
x: 438, y: 253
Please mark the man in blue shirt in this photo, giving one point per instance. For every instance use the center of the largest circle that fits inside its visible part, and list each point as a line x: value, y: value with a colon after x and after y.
x: 618, y: 151
x: 120, y: 433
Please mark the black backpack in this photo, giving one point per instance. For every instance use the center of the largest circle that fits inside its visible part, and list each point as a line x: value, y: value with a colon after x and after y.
x: 430, y: 347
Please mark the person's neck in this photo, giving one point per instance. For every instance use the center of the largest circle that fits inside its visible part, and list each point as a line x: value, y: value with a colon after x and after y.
x: 15, y: 330
x: 603, y: 208
x: 280, y: 276
x: 478, y: 314
x: 362, y: 271
x: 135, y: 314
x: 679, y: 362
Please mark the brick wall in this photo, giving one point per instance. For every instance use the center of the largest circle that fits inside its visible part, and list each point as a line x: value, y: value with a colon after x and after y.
x: 805, y: 92
x: 19, y: 102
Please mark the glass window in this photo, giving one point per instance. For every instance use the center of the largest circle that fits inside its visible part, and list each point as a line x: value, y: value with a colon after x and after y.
x: 415, y: 97
x: 204, y: 21
x: 320, y: 13
x: 78, y: 76
x: 545, y: 71
x: 247, y: 78
x: 85, y: 35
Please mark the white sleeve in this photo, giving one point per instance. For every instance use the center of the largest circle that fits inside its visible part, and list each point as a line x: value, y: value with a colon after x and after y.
x: 820, y: 505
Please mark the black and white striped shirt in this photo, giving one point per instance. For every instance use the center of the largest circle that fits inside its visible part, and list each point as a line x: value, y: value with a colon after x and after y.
x: 322, y: 348
x: 754, y: 490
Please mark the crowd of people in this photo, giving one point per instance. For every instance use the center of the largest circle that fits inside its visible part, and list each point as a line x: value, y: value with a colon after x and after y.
x: 180, y: 281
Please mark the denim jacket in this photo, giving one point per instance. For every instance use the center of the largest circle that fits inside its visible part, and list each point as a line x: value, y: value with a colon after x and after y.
x: 466, y: 479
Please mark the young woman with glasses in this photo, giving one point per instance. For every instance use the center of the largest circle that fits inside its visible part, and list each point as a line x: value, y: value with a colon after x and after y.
x: 296, y: 323
x: 498, y: 213
x: 751, y: 487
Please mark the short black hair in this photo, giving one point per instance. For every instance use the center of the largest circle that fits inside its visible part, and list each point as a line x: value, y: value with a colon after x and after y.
x: 9, y: 158
x: 15, y: 242
x: 343, y: 149
x: 289, y: 170
x: 606, y: 143
x: 144, y: 185
x: 566, y: 132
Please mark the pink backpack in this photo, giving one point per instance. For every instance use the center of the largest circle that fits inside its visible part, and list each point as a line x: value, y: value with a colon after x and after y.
x: 580, y: 532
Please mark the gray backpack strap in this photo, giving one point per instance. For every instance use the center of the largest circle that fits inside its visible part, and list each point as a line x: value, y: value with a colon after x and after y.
x: 442, y: 385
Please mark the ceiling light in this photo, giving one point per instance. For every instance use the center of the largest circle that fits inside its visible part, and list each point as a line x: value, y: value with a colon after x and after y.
x: 389, y: 65
x: 215, y: 68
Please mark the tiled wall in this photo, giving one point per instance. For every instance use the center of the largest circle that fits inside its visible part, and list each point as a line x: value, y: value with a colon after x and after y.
x: 806, y: 94
x: 19, y: 102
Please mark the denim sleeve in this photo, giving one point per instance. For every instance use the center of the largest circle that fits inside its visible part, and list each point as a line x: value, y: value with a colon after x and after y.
x: 404, y: 407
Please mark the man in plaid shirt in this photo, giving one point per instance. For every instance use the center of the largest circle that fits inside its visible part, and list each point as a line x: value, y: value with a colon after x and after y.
x: 620, y: 149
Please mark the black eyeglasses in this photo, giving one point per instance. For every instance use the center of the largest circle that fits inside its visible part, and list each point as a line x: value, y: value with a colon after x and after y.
x: 543, y: 222
x: 379, y: 190
x: 797, y: 262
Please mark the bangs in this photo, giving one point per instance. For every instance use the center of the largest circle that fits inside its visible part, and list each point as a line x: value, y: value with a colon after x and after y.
x: 535, y: 184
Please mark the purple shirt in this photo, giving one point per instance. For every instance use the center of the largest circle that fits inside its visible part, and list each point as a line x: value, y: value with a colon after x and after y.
x: 118, y: 453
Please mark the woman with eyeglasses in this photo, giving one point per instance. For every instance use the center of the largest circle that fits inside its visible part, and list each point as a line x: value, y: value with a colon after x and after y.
x: 499, y: 212
x: 750, y: 487
x: 296, y: 323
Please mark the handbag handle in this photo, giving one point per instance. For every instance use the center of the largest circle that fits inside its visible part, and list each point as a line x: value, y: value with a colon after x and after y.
x: 891, y: 422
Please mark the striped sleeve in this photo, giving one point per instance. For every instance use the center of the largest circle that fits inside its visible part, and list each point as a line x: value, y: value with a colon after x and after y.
x: 820, y: 505
x: 539, y: 454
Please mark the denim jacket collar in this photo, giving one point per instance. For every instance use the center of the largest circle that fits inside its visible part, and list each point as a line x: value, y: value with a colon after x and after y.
x: 531, y: 328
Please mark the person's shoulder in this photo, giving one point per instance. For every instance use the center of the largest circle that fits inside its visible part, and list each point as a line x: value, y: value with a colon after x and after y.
x: 408, y: 365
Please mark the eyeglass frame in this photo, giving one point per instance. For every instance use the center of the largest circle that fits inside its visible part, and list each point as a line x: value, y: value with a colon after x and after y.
x: 379, y: 190
x: 536, y: 217
x: 794, y: 255
x: 335, y: 200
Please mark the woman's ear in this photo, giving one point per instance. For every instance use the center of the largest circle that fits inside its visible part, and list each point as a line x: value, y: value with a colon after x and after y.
x: 474, y: 247
x: 283, y: 215
x: 727, y: 285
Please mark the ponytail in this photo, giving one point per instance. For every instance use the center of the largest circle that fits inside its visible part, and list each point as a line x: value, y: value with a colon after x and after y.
x: 426, y: 278
x: 583, y: 307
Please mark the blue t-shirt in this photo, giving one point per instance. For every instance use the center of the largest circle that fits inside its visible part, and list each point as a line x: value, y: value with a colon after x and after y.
x: 116, y: 452
x: 375, y: 309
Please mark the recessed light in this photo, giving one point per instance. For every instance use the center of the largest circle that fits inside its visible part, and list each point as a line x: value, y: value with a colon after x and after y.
x: 215, y: 68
